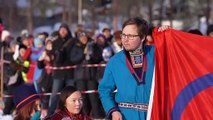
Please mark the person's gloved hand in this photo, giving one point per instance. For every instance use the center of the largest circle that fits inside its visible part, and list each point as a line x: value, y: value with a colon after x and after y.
x: 14, y: 65
x: 163, y: 28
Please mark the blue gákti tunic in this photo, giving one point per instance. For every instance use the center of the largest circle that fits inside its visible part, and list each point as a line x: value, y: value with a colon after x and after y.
x: 118, y: 75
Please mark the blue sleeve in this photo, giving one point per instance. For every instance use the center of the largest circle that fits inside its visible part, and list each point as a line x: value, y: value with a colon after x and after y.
x: 106, y: 88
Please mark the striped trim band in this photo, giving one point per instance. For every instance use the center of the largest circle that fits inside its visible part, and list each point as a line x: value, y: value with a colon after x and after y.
x: 140, y: 107
x: 27, y: 100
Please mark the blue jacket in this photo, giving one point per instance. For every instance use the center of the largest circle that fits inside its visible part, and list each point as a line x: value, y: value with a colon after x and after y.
x: 129, y: 90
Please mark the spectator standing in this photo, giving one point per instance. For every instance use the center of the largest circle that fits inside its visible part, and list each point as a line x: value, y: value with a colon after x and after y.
x: 8, y: 75
x: 116, y: 43
x: 35, y: 72
x: 84, y: 52
x: 19, y: 67
x: 106, y: 54
x: 107, y: 34
x: 61, y: 78
x: 45, y: 80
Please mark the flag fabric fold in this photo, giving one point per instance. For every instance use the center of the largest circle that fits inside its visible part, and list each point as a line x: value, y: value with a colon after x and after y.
x: 183, y: 88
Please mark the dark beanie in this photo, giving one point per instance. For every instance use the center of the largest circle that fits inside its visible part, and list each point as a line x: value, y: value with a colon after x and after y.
x: 24, y: 94
x: 22, y: 46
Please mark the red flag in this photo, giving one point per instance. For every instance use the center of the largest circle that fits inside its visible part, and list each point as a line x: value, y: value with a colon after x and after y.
x: 183, y: 88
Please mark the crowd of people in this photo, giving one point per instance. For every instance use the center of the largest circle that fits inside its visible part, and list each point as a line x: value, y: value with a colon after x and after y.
x: 29, y: 61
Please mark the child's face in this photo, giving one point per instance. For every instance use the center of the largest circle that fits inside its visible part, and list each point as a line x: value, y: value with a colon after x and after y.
x: 49, y: 46
x: 26, y: 42
x: 22, y: 52
x: 107, y: 33
x: 39, y: 45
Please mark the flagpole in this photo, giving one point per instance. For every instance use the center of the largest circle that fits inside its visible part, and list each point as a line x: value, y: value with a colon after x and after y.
x: 149, y: 112
x: 2, y: 73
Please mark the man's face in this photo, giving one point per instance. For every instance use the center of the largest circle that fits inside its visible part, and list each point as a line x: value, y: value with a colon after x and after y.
x: 130, y: 38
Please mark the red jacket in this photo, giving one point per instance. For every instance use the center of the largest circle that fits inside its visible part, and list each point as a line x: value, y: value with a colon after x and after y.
x: 65, y: 115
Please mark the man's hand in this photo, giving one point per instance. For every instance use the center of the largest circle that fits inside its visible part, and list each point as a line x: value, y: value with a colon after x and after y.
x: 163, y: 28
x: 116, y: 115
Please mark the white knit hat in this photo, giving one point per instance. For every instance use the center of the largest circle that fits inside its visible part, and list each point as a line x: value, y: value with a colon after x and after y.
x: 4, y: 35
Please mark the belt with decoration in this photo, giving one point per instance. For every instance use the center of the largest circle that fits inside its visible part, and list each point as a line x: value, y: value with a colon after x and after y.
x: 137, y: 106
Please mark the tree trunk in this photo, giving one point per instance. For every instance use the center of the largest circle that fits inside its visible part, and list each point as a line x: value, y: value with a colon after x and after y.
x: 64, y: 15
x: 30, y: 16
x: 93, y: 18
x: 150, y: 11
x: 70, y: 12
x: 161, y: 12
x: 171, y: 13
x: 115, y: 10
x: 79, y: 11
x: 10, y: 16
x: 208, y: 11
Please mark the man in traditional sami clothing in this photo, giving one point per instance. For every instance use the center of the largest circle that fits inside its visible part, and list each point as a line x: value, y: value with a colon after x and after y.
x: 130, y: 72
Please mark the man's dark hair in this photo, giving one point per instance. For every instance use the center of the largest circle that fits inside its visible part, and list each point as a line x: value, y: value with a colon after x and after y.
x: 140, y: 23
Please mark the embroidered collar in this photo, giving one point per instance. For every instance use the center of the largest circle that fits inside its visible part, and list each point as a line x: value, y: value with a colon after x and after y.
x: 136, y: 58
x: 139, y: 78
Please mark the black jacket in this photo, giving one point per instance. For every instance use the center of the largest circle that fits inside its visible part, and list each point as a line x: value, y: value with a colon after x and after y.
x: 61, y: 49
x: 80, y: 58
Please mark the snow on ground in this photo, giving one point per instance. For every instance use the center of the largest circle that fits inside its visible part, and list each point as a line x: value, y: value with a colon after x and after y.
x: 5, y: 117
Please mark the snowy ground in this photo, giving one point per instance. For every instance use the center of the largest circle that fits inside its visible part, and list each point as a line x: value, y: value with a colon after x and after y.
x: 5, y: 117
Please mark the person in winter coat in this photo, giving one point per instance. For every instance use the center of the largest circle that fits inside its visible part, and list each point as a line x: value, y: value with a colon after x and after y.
x: 35, y: 72
x: 45, y: 80
x: 19, y: 67
x: 84, y: 52
x: 8, y: 73
x: 116, y: 43
x: 61, y: 78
